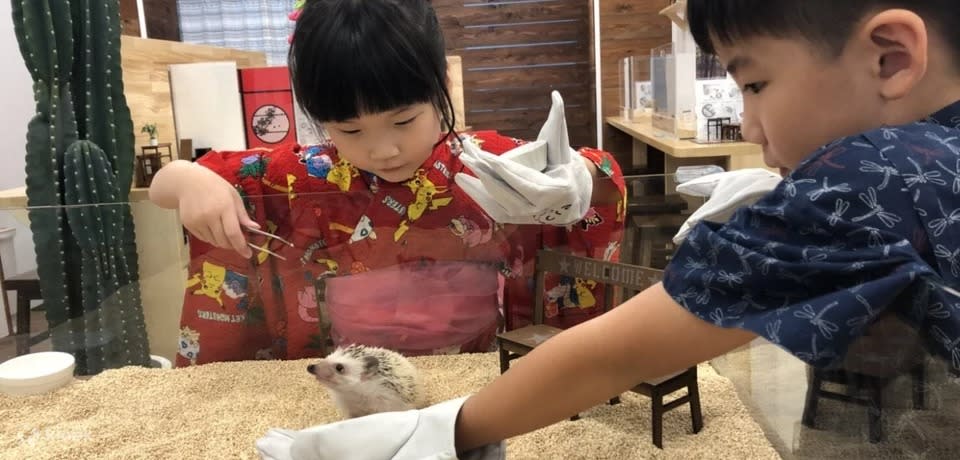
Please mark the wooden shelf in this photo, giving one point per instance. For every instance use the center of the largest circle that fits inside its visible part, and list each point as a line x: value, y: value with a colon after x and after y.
x: 645, y: 132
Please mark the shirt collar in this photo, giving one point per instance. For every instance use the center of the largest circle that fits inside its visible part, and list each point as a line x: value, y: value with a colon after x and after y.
x: 948, y: 116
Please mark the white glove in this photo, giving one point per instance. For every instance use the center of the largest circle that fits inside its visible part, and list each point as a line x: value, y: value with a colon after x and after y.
x: 512, y: 193
x: 425, y: 434
x: 728, y: 192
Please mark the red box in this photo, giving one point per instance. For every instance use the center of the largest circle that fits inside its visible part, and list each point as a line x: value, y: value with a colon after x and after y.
x: 268, y: 106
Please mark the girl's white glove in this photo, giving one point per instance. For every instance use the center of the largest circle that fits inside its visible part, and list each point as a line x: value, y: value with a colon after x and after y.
x: 425, y: 434
x: 512, y: 193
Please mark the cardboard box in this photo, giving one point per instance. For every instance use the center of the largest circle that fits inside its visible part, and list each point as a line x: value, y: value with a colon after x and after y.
x: 268, y: 112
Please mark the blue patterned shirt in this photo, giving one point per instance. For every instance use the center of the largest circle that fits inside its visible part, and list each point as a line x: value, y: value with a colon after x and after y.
x: 868, y: 224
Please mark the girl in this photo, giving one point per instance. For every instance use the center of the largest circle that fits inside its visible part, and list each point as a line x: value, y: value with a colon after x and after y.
x: 401, y: 229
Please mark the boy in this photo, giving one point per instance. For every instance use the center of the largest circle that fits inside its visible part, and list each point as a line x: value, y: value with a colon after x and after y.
x: 857, y: 103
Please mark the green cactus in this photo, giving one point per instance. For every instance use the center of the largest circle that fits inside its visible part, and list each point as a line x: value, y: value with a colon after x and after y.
x: 79, y: 165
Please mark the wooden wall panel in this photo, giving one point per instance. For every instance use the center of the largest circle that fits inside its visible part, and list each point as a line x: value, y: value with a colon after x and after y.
x: 129, y: 18
x: 514, y: 53
x: 469, y: 12
x: 163, y: 19
x: 455, y: 88
x: 549, y: 31
x: 627, y: 28
x: 147, y: 84
x: 524, y: 122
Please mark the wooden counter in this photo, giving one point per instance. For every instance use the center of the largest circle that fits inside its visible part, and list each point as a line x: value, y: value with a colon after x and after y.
x: 645, y: 132
x: 676, y: 153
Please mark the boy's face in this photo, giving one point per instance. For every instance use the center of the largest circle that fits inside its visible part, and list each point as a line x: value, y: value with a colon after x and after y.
x: 393, y: 144
x: 796, y: 100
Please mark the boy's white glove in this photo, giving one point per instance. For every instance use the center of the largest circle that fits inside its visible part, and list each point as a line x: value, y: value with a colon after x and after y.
x: 425, y: 434
x: 512, y: 193
x: 728, y: 192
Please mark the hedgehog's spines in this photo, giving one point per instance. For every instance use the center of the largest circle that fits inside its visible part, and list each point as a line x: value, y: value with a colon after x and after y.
x: 390, y: 362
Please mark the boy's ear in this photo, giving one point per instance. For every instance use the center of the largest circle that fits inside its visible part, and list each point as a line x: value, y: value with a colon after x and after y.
x: 898, y: 49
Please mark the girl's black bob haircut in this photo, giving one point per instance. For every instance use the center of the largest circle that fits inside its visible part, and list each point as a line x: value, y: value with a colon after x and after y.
x: 826, y: 24
x: 354, y: 57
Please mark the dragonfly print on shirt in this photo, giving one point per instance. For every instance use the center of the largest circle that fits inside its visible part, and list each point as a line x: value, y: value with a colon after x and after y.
x: 836, y: 245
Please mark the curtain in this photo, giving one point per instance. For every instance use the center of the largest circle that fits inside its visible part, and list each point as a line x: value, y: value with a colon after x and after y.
x: 252, y: 25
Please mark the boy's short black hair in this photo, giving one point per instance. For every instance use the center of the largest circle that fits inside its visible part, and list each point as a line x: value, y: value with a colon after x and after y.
x: 355, y: 57
x: 825, y: 23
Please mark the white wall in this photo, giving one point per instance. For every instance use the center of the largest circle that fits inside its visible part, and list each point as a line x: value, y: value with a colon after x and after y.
x: 18, y: 105
x: 18, y: 108
x: 207, y: 106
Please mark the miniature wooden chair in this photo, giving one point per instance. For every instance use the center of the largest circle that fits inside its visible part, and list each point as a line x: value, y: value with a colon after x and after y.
x: 27, y: 286
x: 652, y: 220
x: 889, y: 349
x: 516, y: 343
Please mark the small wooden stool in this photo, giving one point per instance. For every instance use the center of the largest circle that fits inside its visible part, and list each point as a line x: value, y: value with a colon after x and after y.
x: 519, y: 342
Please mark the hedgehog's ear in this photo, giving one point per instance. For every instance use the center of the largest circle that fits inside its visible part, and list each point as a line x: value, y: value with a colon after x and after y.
x: 370, y: 366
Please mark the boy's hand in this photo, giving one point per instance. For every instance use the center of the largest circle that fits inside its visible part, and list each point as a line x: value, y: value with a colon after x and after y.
x: 516, y: 194
x: 212, y: 210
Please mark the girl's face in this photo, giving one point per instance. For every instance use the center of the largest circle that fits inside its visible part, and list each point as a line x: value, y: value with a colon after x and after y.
x: 392, y: 144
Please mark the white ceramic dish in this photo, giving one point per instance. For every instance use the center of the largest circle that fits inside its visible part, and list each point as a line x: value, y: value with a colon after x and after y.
x: 36, y: 373
x: 532, y: 155
x: 159, y: 362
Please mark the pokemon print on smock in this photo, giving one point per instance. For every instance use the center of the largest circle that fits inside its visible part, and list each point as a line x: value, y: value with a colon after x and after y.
x: 350, y: 231
x: 867, y: 225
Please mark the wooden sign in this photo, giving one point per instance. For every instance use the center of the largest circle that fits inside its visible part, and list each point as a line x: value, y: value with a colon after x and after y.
x: 633, y: 277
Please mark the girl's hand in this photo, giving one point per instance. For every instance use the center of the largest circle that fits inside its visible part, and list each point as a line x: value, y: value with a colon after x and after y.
x: 212, y: 210
x: 513, y: 193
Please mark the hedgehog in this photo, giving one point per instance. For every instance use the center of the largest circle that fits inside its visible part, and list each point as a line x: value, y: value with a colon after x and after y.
x: 364, y: 380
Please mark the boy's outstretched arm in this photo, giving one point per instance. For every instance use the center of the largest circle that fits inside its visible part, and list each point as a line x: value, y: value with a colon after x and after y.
x: 646, y: 337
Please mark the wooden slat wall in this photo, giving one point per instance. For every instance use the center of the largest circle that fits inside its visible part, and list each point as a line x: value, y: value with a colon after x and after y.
x: 514, y: 53
x: 627, y: 28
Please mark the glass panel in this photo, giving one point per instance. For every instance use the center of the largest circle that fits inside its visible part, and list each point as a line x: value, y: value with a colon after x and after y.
x: 636, y: 92
x: 417, y: 280
x: 435, y: 287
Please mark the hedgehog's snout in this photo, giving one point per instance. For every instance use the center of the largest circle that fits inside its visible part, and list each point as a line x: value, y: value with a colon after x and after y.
x: 321, y: 371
